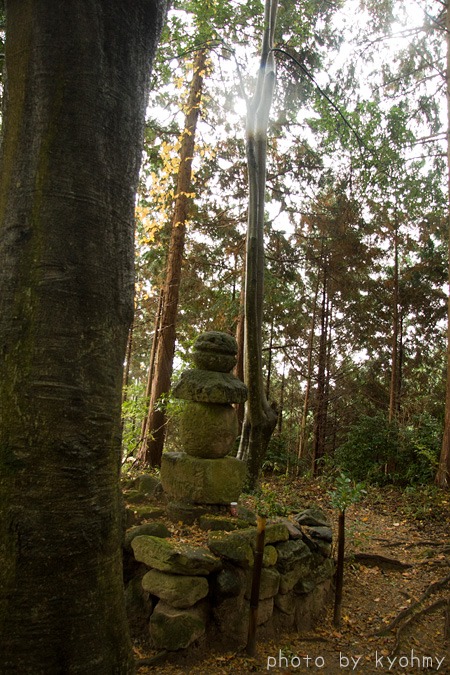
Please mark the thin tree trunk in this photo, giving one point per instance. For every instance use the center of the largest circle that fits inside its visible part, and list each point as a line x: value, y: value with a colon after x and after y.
x: 240, y: 330
x: 393, y: 389
x: 320, y: 410
x: 151, y: 369
x: 269, y: 361
x: 77, y: 84
x: 152, y: 447
x: 126, y: 370
x: 281, y: 406
x: 443, y: 473
x: 260, y: 418
x: 302, y: 434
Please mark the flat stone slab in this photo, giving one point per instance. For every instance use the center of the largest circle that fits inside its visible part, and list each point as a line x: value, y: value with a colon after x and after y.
x: 206, y: 386
x: 154, y: 529
x: 178, y: 590
x: 313, y: 517
x: 202, y: 481
x: 174, y: 557
x: 233, y: 547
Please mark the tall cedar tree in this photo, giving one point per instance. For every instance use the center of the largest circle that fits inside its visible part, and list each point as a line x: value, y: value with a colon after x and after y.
x: 443, y: 473
x: 165, y: 333
x: 77, y: 78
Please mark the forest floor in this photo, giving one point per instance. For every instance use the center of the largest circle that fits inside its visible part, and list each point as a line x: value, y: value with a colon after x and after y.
x: 395, y: 612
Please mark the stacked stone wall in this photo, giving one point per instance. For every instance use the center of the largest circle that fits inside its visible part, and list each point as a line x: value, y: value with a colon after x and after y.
x: 192, y: 591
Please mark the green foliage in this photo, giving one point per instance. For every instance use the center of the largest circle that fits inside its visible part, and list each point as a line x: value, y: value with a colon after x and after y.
x: 371, y: 443
x: 420, y: 444
x: 411, y: 450
x: 346, y: 492
x: 425, y: 502
x: 134, y: 410
x: 280, y: 456
x: 275, y: 497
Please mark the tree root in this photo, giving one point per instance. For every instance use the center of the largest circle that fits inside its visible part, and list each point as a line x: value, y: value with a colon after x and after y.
x: 416, y: 608
x: 443, y: 602
x: 375, y: 560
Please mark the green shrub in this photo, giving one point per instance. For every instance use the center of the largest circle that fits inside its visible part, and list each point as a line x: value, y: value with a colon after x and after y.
x: 410, y: 451
x: 371, y: 443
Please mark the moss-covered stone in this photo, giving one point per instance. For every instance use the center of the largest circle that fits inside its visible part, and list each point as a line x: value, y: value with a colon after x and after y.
x: 229, y: 583
x: 202, y: 481
x: 312, y: 517
x: 174, y: 557
x: 221, y: 523
x: 270, y: 556
x: 274, y: 533
x: 174, y: 629
x: 134, y: 497
x: 300, y: 570
x: 208, y: 429
x: 290, y: 553
x: 206, y: 386
x: 214, y: 350
x: 147, y: 484
x: 232, y: 546
x: 269, y: 583
x: 178, y: 590
x: 154, y: 529
x: 146, y: 512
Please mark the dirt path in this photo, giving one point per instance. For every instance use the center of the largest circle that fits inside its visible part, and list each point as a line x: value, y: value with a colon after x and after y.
x: 386, y: 526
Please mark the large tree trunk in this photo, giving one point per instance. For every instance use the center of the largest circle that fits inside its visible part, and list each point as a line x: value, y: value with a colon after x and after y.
x: 443, y: 472
x: 77, y: 77
x: 260, y: 419
x: 153, y: 444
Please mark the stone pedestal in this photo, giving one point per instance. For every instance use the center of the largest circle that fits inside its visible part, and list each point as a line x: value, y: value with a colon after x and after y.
x: 202, y: 481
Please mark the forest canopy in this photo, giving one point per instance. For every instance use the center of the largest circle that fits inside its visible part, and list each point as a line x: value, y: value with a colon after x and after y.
x: 356, y: 227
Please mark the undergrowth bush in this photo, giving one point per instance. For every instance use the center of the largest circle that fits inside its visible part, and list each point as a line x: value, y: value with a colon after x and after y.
x: 409, y: 452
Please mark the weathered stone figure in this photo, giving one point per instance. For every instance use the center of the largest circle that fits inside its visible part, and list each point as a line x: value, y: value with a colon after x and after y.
x: 203, y: 473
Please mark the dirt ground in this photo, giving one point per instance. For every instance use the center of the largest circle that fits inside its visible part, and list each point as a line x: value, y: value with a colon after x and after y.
x: 395, y: 613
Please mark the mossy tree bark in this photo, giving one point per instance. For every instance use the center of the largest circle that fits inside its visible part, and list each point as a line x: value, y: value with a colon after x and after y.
x: 260, y: 419
x: 77, y: 77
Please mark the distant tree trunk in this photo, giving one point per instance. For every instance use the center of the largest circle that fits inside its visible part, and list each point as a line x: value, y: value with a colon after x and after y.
x: 260, y: 419
x: 302, y: 434
x: 126, y: 370
x: 443, y: 472
x: 321, y: 399
x: 240, y: 330
x: 269, y: 360
x: 153, y: 443
x: 393, y: 389
x: 281, y: 405
x: 77, y: 78
x: 151, y: 369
